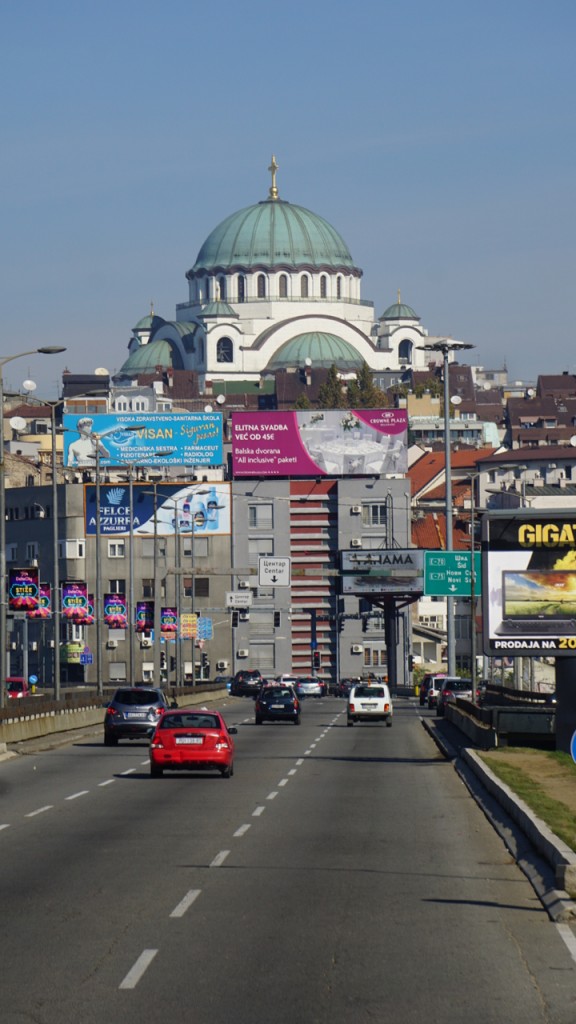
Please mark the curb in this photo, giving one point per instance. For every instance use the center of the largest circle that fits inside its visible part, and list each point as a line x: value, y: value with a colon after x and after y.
x: 553, y: 851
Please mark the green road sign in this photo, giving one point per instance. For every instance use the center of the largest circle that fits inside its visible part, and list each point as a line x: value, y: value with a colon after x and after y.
x: 448, y: 573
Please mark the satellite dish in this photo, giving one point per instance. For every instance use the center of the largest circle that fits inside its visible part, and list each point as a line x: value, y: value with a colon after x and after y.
x: 573, y: 440
x: 101, y: 371
x: 456, y: 400
x: 29, y: 385
x: 18, y: 423
x: 307, y: 361
x: 487, y: 385
x: 208, y: 408
x: 530, y: 392
x: 220, y: 399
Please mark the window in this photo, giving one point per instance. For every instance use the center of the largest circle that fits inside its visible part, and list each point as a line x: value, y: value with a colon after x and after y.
x: 323, y: 287
x: 405, y: 351
x: 116, y: 549
x: 222, y: 288
x: 241, y: 288
x: 11, y: 552
x: 338, y: 287
x: 149, y: 591
x: 283, y: 286
x: 32, y: 551
x: 71, y: 549
x: 304, y: 286
x: 374, y: 515
x: 117, y: 586
x: 261, y: 286
x: 224, y: 350
x: 260, y: 516
x: 259, y: 547
x: 202, y: 586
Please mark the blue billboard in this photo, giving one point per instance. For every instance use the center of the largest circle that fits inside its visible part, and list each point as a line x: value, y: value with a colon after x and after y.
x: 143, y: 439
x: 162, y: 509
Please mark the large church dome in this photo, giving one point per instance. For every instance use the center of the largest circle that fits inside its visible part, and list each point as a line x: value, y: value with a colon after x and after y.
x: 273, y: 233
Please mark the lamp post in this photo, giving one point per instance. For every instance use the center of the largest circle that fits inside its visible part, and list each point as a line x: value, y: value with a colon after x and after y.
x: 50, y: 350
x: 445, y: 346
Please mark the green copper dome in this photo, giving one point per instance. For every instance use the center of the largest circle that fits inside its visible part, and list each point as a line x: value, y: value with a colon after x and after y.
x: 320, y: 348
x: 271, y: 234
x: 146, y: 358
x: 399, y: 311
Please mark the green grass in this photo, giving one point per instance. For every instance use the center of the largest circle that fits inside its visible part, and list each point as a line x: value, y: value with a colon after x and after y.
x: 559, y: 818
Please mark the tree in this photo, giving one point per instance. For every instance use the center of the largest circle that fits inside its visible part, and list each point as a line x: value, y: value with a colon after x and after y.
x: 302, y: 402
x: 330, y: 395
x: 362, y: 393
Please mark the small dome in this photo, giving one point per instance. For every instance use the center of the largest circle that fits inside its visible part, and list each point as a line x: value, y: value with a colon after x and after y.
x: 273, y: 233
x: 321, y: 349
x: 148, y: 323
x: 146, y: 358
x: 399, y: 311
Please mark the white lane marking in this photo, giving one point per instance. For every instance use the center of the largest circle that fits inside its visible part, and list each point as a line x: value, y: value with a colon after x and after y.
x: 569, y: 938
x: 258, y: 811
x: 181, y: 908
x: 306, y: 752
x: 74, y: 796
x: 292, y: 771
x: 219, y: 859
x: 299, y: 762
x: 136, y: 972
x: 107, y: 783
x: 241, y: 831
x: 4, y: 826
x: 272, y: 795
x: 146, y: 762
x: 312, y: 745
x: 128, y: 771
x: 284, y: 782
x: 318, y: 738
x: 39, y: 811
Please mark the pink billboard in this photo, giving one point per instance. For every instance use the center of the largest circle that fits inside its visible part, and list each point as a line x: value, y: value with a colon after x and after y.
x: 320, y: 442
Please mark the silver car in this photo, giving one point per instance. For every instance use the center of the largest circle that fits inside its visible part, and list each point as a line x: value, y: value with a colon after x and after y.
x: 309, y: 686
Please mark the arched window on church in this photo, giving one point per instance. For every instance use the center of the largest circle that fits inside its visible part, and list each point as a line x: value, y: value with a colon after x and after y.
x: 304, y: 286
x: 241, y: 288
x: 283, y: 286
x: 224, y: 351
x: 323, y: 287
x: 261, y: 286
x: 405, y: 351
x: 222, y: 289
x: 338, y: 287
x: 206, y: 289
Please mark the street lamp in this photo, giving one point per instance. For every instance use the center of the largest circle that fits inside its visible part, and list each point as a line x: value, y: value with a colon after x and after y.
x: 445, y: 346
x: 48, y: 350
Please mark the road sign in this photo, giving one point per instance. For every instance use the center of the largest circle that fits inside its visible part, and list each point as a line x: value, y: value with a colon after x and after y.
x: 238, y: 600
x: 448, y: 573
x: 86, y: 659
x: 274, y: 572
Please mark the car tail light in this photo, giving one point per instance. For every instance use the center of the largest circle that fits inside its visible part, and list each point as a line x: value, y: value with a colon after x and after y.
x: 386, y: 707
x: 158, y: 711
x: 156, y: 743
x: 352, y: 707
x: 448, y: 693
x: 111, y: 711
x: 222, y: 744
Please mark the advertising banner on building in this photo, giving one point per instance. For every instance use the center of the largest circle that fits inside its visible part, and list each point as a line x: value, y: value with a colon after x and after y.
x: 329, y: 442
x: 75, y: 607
x: 160, y: 509
x: 529, y: 592
x: 115, y: 611
x: 23, y: 589
x: 144, y: 617
x: 168, y: 621
x: 44, y: 609
x: 143, y: 439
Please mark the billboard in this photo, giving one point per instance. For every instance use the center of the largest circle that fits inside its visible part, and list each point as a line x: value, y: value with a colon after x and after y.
x: 323, y: 442
x: 387, y: 571
x: 23, y: 590
x: 144, y: 616
x: 529, y: 593
x: 191, y: 508
x: 115, y: 611
x: 44, y: 609
x: 143, y: 439
x: 75, y: 604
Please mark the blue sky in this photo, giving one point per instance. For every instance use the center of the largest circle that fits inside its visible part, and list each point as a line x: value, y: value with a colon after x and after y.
x: 438, y: 138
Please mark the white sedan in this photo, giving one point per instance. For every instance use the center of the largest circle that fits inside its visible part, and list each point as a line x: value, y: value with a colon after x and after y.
x: 370, y: 704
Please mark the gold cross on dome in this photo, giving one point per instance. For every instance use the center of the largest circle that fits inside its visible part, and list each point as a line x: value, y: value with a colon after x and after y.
x: 273, y: 193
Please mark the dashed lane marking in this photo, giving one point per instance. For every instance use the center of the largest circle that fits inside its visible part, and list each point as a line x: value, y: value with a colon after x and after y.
x: 241, y: 831
x: 136, y: 972
x: 219, y: 859
x: 40, y: 810
x: 258, y: 811
x: 181, y: 908
x: 74, y: 796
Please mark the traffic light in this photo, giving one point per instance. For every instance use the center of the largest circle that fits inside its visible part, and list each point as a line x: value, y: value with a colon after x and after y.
x: 172, y: 664
x: 316, y: 659
x: 410, y: 663
x: 277, y: 619
x: 235, y: 619
x: 204, y: 659
x: 163, y: 661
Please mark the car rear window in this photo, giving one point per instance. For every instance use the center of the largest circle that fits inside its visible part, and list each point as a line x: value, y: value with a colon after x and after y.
x: 138, y: 697
x: 369, y: 691
x: 190, y: 720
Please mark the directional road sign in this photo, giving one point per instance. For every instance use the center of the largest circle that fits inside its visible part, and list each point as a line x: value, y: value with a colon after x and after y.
x: 448, y: 573
x: 274, y: 572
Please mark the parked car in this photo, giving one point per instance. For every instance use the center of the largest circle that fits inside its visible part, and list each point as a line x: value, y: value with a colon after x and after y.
x: 16, y: 687
x: 310, y: 686
x: 190, y: 740
x: 246, y: 683
x: 369, y: 703
x: 427, y: 684
x: 452, y: 687
x: 276, y: 703
x: 133, y: 713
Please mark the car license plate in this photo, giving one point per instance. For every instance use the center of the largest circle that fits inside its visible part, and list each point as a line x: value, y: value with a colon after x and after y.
x: 189, y: 739
x: 276, y: 707
x: 137, y: 714
x: 368, y: 707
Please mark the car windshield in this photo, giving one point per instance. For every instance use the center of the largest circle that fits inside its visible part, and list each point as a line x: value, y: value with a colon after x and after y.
x: 190, y: 720
x: 137, y: 697
x: 369, y: 691
x: 459, y: 684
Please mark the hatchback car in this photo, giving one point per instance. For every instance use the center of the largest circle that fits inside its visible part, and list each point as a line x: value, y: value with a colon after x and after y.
x: 17, y: 687
x: 133, y: 713
x: 246, y: 683
x: 310, y: 686
x: 277, y: 703
x: 369, y: 704
x: 452, y: 687
x: 190, y: 740
x: 344, y: 686
x: 429, y: 688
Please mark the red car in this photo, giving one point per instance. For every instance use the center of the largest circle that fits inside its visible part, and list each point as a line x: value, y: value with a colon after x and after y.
x: 189, y: 740
x: 16, y: 687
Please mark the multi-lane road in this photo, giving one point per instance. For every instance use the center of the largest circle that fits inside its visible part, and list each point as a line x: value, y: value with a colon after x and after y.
x: 342, y: 876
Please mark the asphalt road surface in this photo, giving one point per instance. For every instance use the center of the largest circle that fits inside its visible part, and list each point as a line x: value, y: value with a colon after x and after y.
x: 342, y: 876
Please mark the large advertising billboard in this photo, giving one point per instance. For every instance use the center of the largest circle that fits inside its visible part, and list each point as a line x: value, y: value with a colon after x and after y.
x: 160, y: 509
x: 386, y: 571
x: 143, y: 439
x: 324, y: 442
x: 529, y: 593
x: 23, y: 589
